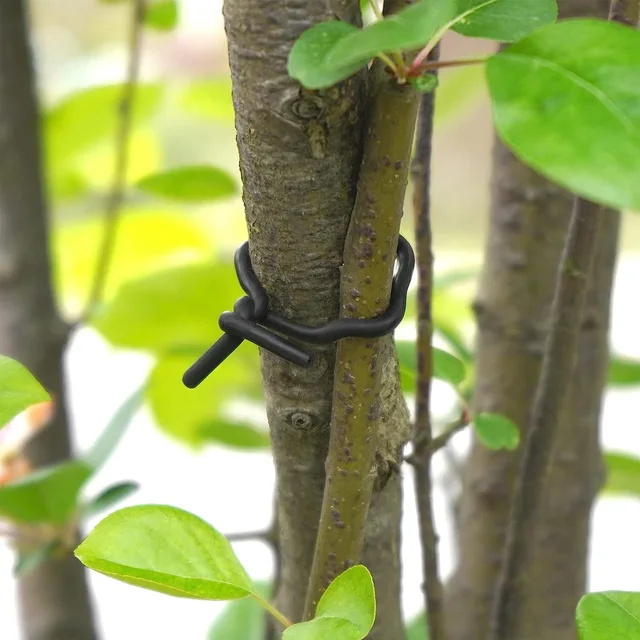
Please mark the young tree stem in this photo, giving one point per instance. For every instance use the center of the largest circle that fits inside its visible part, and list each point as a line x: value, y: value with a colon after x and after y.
x: 553, y: 386
x: 369, y: 254
x: 423, y: 436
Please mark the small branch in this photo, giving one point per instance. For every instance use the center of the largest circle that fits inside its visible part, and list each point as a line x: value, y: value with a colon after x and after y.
x: 266, y: 536
x: 443, y: 64
x: 376, y: 9
x: 423, y: 439
x: 370, y: 247
x: 118, y: 186
x: 553, y: 387
x: 441, y: 441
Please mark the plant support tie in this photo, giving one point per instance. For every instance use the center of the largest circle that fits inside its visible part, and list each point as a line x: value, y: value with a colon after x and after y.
x: 252, y: 320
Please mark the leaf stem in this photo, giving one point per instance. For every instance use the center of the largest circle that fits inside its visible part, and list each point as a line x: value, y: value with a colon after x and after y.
x: 280, y: 617
x: 123, y: 134
x: 390, y: 63
x: 376, y: 9
x: 442, y: 64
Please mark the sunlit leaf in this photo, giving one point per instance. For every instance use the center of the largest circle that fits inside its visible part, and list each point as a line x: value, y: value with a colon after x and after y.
x: 109, y: 497
x: 191, y: 415
x: 609, y: 615
x: 496, y: 431
x: 190, y: 184
x: 346, y: 610
x: 146, y: 240
x: 623, y: 474
x: 209, y: 99
x: 108, y: 440
x: 571, y: 112
x: 174, y: 307
x: 48, y: 495
x: 242, y: 620
x: 235, y: 435
x: 162, y: 15
x: 18, y: 390
x: 87, y: 117
x: 165, y: 549
x: 624, y: 372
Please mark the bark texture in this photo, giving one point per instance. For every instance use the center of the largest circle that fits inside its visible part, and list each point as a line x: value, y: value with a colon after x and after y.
x: 54, y: 601
x: 529, y: 221
x: 299, y: 158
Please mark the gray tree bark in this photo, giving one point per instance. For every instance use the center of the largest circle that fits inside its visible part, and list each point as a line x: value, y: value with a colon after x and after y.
x: 54, y: 601
x: 299, y: 160
x: 528, y: 227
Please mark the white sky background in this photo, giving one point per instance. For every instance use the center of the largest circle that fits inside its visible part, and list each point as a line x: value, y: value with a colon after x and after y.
x: 234, y: 491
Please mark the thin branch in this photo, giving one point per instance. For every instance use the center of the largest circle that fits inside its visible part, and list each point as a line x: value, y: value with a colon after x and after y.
x: 266, y: 536
x: 444, y: 64
x: 553, y: 387
x: 423, y: 440
x: 441, y: 441
x: 123, y: 134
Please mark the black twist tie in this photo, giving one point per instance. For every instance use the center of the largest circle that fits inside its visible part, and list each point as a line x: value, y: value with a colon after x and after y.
x: 251, y: 320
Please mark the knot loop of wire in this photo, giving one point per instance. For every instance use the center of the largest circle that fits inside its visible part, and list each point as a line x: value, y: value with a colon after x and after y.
x: 252, y: 320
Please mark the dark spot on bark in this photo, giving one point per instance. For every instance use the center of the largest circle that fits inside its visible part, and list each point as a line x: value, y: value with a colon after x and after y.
x: 335, y: 514
x: 300, y: 420
x: 361, y: 264
x: 368, y: 231
x: 386, y: 160
x: 351, y: 307
x: 340, y: 524
x: 355, y: 294
x: 371, y: 199
x: 378, y: 301
x: 347, y: 451
x: 332, y: 556
x: 356, y: 473
x: 344, y: 472
x: 366, y: 250
x: 367, y: 280
x: 335, y: 501
x: 398, y: 164
x: 348, y: 409
x: 341, y: 395
x: 373, y: 413
x: 384, y: 257
x: 348, y: 378
x: 367, y: 392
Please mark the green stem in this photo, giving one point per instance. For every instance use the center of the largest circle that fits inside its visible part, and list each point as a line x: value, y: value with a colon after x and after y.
x: 367, y: 270
x: 390, y: 63
x: 376, y: 9
x: 280, y: 617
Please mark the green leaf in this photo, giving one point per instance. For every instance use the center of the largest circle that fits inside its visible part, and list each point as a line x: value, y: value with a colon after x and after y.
x: 190, y: 184
x: 109, y: 497
x: 408, y: 29
x: 48, y: 495
x: 241, y: 620
x: 168, y: 550
x: 148, y: 240
x: 624, y: 372
x: 347, y: 609
x: 496, y: 431
x: 31, y: 559
x: 231, y: 434
x: 623, y: 474
x: 105, y: 445
x: 18, y: 390
x: 87, y: 117
x: 570, y: 111
x: 417, y: 628
x: 209, y: 99
x: 308, y: 58
x: 425, y: 83
x: 504, y: 20
x: 170, y: 308
x: 187, y: 414
x: 446, y: 366
x: 350, y: 596
x: 322, y: 629
x: 162, y: 15
x: 609, y: 615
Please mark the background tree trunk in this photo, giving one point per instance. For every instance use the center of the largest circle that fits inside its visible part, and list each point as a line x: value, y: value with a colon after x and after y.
x: 53, y: 600
x: 299, y: 160
x: 528, y: 227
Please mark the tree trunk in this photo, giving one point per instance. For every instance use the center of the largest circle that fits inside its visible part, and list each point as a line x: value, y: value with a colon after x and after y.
x: 53, y: 600
x: 299, y: 160
x: 528, y: 227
